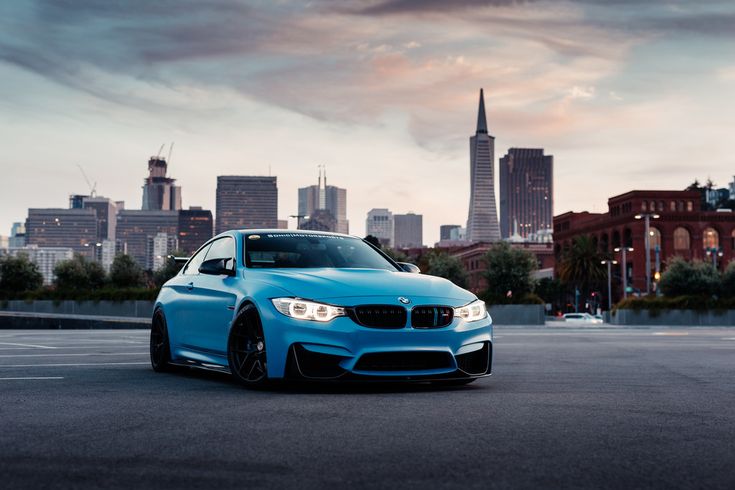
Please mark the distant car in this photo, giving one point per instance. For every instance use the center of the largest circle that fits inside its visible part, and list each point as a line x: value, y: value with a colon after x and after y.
x: 582, y: 318
x: 270, y: 304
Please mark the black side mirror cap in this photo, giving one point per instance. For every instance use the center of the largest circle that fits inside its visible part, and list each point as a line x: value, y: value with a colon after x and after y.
x: 408, y: 267
x: 216, y: 267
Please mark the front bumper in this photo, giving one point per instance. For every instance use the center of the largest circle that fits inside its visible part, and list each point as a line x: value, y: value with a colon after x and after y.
x: 342, y: 349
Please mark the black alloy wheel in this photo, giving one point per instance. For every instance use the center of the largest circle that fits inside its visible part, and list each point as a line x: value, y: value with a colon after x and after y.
x: 160, y: 347
x: 246, y: 349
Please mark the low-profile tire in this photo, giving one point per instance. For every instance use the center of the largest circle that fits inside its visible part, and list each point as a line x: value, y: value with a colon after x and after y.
x: 246, y: 353
x: 454, y: 382
x: 160, y: 346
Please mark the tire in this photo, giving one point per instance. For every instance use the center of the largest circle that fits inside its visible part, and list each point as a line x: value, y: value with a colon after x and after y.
x: 160, y: 348
x: 246, y: 352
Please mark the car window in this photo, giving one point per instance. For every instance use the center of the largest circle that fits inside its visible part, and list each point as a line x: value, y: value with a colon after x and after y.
x: 310, y: 250
x: 223, y: 248
x: 192, y: 267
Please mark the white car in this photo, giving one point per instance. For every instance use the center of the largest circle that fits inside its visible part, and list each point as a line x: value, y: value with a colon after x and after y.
x: 581, y: 318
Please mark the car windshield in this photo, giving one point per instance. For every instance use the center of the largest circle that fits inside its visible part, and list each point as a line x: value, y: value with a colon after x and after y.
x: 306, y: 250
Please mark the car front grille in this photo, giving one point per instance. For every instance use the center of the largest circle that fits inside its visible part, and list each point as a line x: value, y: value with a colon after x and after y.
x: 379, y: 316
x: 404, y: 361
x: 431, y: 316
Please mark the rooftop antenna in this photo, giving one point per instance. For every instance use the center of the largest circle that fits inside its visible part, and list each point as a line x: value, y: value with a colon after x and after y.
x: 170, y: 149
x: 92, y: 188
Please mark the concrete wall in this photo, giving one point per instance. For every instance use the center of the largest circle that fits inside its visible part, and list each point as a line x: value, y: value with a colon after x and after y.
x: 689, y: 318
x: 138, y: 309
x: 517, y: 315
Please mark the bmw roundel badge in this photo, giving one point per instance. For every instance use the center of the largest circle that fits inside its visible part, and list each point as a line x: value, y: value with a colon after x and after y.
x: 403, y: 300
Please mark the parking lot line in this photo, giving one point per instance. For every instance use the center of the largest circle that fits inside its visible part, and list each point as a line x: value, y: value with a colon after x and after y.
x: 73, y: 364
x: 79, y: 354
x: 31, y: 377
x: 28, y: 345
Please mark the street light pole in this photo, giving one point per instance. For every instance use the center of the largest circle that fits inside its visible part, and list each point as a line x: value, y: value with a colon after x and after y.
x: 624, y: 250
x: 609, y: 281
x: 647, y: 217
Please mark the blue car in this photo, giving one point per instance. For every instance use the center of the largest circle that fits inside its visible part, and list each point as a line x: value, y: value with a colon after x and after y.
x: 266, y: 305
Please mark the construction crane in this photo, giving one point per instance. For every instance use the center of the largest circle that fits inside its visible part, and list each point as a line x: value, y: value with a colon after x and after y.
x: 170, y: 149
x: 92, y: 188
x: 160, y: 150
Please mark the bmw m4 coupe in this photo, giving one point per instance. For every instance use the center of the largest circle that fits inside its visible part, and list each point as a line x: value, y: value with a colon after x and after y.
x: 266, y: 305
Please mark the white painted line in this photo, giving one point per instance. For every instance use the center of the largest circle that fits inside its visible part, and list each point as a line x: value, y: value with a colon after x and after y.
x: 28, y: 345
x: 73, y: 364
x: 77, y: 355
x: 671, y: 334
x: 728, y: 338
x: 32, y: 377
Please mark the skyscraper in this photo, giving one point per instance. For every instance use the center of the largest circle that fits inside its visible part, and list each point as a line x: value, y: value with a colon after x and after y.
x: 379, y: 224
x: 482, y: 220
x: 328, y: 197
x: 136, y: 228
x: 195, y: 228
x: 445, y: 231
x: 408, y: 230
x: 526, y: 193
x: 66, y: 228
x: 106, y: 216
x: 159, y: 191
x: 246, y: 202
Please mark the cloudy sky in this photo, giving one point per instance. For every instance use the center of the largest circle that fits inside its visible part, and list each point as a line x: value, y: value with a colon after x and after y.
x: 624, y: 94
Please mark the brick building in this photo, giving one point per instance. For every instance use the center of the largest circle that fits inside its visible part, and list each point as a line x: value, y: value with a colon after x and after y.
x: 678, y: 227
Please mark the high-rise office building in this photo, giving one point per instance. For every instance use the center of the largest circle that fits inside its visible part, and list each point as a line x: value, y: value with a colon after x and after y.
x: 408, y: 231
x: 319, y: 220
x: 526, y: 193
x: 445, y: 231
x: 482, y: 220
x: 106, y: 210
x: 136, y: 227
x: 323, y: 196
x: 45, y: 258
x: 159, y: 247
x: 379, y: 224
x: 246, y: 202
x: 195, y: 228
x: 159, y: 191
x: 72, y: 228
x: 17, y: 236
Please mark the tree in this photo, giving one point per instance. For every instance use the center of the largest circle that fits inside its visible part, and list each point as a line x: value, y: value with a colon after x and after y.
x: 19, y: 274
x: 396, y: 255
x: 373, y: 240
x: 581, y: 267
x: 509, y: 273
x: 170, y: 269
x: 683, y: 278
x: 79, y: 273
x: 126, y: 273
x: 727, y: 287
x: 440, y: 263
x: 551, y: 290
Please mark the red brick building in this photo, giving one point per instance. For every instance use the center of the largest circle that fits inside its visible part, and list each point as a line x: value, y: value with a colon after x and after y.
x: 681, y: 228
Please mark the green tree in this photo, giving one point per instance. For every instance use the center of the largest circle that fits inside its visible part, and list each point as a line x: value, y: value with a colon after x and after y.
x: 396, y: 255
x: 509, y: 274
x: 551, y: 290
x: 440, y: 263
x: 170, y: 269
x: 581, y: 267
x: 19, y: 274
x: 126, y: 273
x: 682, y: 278
x: 79, y: 273
x: 727, y: 288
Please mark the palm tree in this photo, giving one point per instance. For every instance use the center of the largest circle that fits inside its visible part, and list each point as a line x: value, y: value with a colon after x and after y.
x: 581, y: 266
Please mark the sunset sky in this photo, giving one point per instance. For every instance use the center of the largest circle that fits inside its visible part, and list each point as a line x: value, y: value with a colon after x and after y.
x: 624, y: 94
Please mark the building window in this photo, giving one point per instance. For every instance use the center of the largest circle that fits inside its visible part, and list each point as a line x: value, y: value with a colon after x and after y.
x: 732, y: 240
x: 643, y: 206
x: 680, y: 206
x: 652, y: 207
x: 710, y: 238
x: 682, y: 240
x: 672, y: 206
x: 660, y: 205
x: 654, y: 239
x: 690, y: 206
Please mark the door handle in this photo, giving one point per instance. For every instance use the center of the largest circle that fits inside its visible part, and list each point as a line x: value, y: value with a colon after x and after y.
x: 190, y: 286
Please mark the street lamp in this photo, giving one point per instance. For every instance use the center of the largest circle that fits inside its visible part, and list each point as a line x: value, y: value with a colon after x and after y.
x: 609, y: 264
x: 648, y: 217
x: 714, y: 252
x: 624, y: 250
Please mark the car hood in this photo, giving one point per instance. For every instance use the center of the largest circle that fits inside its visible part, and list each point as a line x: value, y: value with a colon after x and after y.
x: 328, y: 284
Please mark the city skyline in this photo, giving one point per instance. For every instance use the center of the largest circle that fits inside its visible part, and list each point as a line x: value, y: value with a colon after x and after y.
x: 644, y: 91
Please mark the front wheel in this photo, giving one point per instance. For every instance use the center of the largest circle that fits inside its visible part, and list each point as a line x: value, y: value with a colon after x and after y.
x: 246, y: 352
x: 160, y: 347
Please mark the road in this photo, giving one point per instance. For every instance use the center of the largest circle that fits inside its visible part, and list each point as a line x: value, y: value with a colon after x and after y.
x: 565, y: 408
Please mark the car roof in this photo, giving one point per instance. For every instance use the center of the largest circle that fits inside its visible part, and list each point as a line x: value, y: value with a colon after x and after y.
x: 288, y: 232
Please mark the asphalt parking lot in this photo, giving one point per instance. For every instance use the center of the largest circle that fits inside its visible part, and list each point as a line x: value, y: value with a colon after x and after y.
x: 565, y: 408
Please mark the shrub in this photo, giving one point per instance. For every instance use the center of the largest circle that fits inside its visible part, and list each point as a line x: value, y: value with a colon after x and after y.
x: 79, y: 273
x: 19, y: 274
x: 727, y: 288
x: 683, y: 278
x: 126, y: 273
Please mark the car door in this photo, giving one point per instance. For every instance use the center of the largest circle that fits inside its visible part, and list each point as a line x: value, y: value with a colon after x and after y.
x: 180, y: 309
x: 215, y: 298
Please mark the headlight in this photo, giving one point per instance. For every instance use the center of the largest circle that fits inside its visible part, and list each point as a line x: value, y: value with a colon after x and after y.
x: 307, y: 310
x: 471, y: 312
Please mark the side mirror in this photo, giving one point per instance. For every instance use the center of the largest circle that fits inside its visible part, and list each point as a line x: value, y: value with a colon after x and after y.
x: 413, y: 269
x: 216, y: 267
